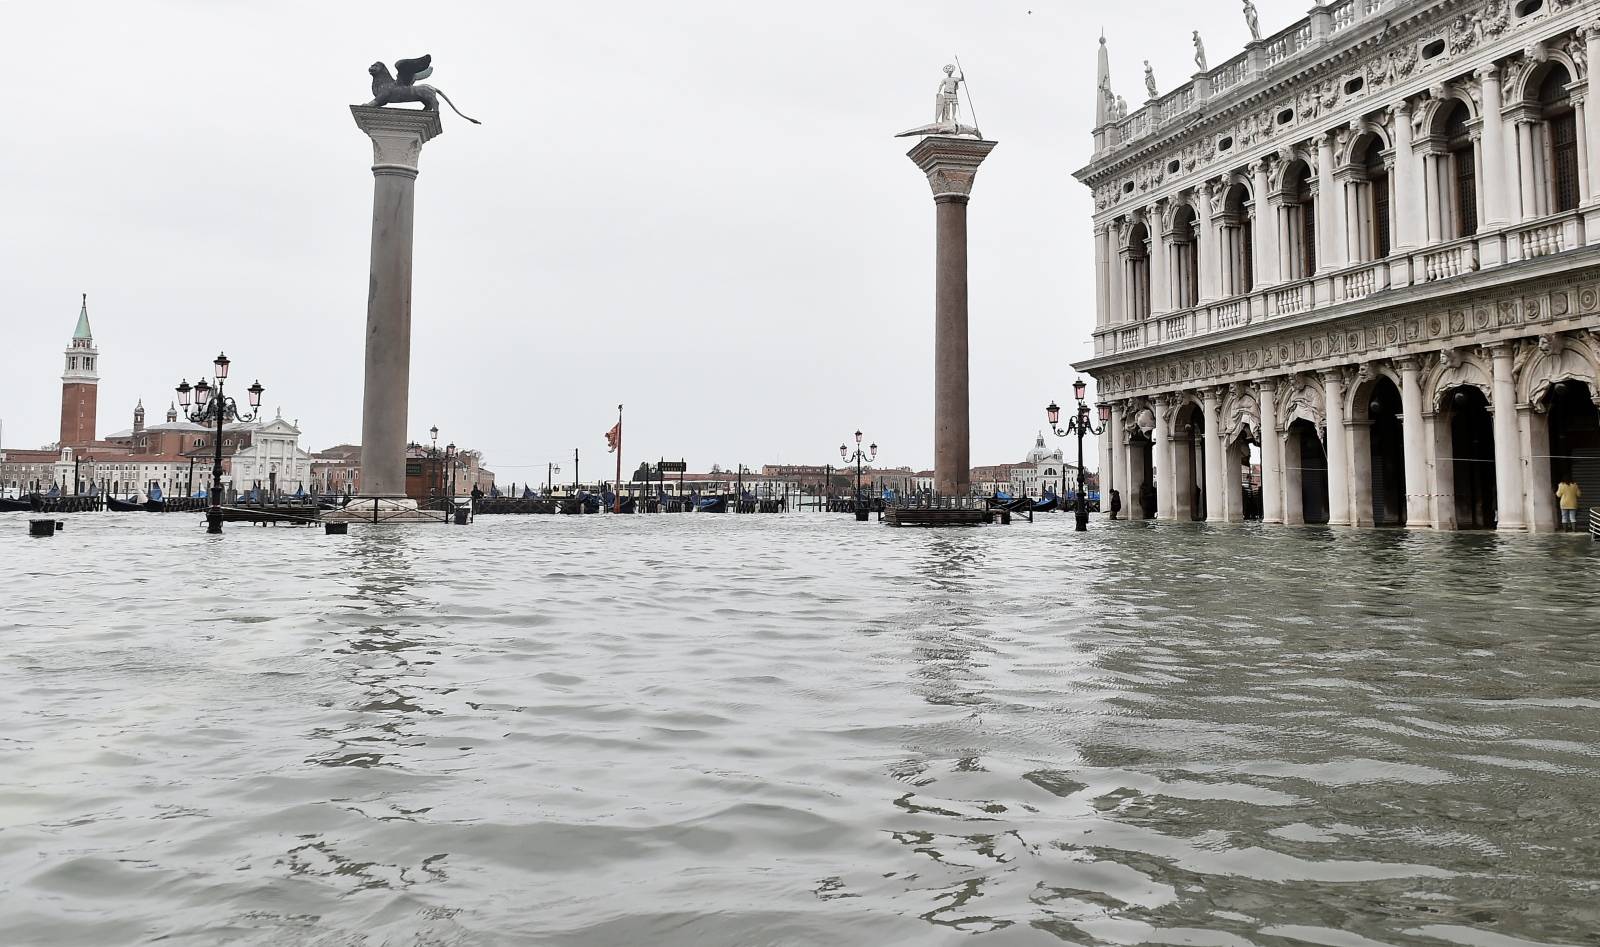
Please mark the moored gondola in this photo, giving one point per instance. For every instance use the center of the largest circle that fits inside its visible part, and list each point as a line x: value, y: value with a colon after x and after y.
x: 123, y: 506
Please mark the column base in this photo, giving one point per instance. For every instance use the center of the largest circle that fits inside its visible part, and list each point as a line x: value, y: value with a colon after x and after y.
x: 383, y: 510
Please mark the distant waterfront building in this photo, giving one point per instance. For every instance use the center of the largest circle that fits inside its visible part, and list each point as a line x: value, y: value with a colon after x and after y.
x: 80, y: 384
x: 1365, y: 254
x: 1043, y: 471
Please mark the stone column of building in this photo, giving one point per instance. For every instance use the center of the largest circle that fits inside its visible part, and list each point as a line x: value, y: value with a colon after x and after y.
x: 1107, y: 468
x: 1591, y: 38
x: 1496, y: 200
x: 1102, y: 276
x: 1329, y: 209
x: 1338, y: 442
x: 1533, y: 432
x: 1161, y: 445
x: 1580, y: 124
x: 1265, y: 227
x: 1207, y: 256
x: 1414, y: 442
x: 1405, y: 180
x: 1271, y: 452
x: 1116, y: 267
x: 1160, y: 275
x: 1119, y: 457
x: 950, y: 164
x: 1526, y: 171
x: 397, y: 139
x: 1507, y: 459
x: 1216, y: 503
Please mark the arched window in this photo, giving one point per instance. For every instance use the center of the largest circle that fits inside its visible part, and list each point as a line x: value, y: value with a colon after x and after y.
x: 1560, y: 140
x: 1185, y: 259
x: 1378, y: 198
x: 1138, y: 272
x: 1234, y: 230
x: 1461, y: 175
x: 1299, y: 231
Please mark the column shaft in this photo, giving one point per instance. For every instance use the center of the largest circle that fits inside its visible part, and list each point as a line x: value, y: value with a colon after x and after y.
x: 388, y: 359
x: 1338, y: 450
x: 1271, y: 454
x: 1206, y: 251
x: 1160, y: 277
x: 1525, y: 173
x: 1102, y: 277
x: 1507, y: 458
x: 1161, y: 444
x: 1264, y: 230
x: 1414, y: 441
x: 1215, y: 490
x: 1330, y: 209
x: 951, y: 430
x: 1580, y: 119
x: 1405, y: 217
x: 1591, y: 36
x: 1493, y: 170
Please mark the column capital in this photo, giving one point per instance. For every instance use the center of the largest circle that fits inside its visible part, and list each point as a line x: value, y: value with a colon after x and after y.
x: 1332, y: 376
x: 1489, y: 73
x: 1407, y: 363
x: 1591, y: 30
x: 397, y: 136
x: 951, y: 164
x: 1503, y: 349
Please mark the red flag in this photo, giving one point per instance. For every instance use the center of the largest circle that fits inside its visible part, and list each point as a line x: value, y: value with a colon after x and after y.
x: 613, y: 436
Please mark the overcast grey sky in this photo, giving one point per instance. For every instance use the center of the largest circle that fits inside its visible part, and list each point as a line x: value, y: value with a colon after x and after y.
x: 696, y: 209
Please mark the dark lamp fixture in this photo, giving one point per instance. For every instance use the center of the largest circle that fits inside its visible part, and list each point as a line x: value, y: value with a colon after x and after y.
x: 1105, y: 413
x: 858, y: 437
x: 222, y: 367
x: 255, y: 391
x: 202, y: 393
x: 1077, y: 389
x: 1053, y: 412
x: 183, y: 392
x: 434, y: 431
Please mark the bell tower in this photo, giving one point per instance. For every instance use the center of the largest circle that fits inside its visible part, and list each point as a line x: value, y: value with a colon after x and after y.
x: 80, y: 384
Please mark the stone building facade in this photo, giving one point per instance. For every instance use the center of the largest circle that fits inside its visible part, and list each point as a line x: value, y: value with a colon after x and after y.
x: 1367, y: 251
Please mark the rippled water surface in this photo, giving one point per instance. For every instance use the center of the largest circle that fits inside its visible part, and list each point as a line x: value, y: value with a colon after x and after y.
x: 720, y: 730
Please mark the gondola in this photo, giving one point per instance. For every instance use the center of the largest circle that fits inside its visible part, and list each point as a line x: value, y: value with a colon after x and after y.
x: 18, y: 505
x: 1046, y: 504
x: 712, y: 505
x: 123, y: 506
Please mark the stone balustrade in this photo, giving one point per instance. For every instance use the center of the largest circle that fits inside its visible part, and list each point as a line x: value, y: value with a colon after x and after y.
x: 1436, y: 264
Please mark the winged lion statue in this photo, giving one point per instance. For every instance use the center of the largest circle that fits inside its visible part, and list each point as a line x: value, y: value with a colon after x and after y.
x: 402, y: 87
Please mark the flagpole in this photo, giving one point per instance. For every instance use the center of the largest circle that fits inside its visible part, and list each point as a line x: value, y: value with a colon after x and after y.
x: 616, y: 487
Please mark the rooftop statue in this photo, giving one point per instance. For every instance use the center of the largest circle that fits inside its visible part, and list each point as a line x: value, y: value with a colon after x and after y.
x: 1149, y: 79
x: 1199, y: 53
x: 946, y: 110
x: 389, y: 90
x: 1251, y: 21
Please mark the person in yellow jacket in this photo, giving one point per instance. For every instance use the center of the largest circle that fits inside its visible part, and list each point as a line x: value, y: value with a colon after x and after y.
x: 1568, y: 493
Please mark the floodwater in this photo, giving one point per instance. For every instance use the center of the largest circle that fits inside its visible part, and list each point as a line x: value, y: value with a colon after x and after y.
x: 772, y: 730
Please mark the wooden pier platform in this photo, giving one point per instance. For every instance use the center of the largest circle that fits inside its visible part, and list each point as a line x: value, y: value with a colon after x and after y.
x: 942, y: 511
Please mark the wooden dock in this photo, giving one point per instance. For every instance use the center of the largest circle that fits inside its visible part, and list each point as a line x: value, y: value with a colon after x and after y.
x: 943, y: 511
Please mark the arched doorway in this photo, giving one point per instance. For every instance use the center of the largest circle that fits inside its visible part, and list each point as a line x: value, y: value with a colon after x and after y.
x: 1471, y: 456
x: 1305, y: 480
x: 1189, y: 463
x: 1242, y: 499
x: 1575, y: 442
x: 1386, y: 452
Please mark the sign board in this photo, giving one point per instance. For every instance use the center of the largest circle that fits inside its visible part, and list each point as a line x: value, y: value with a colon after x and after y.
x: 672, y: 466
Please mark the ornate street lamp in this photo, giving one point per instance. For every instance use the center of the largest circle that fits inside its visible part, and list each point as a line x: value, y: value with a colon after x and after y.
x: 1078, y: 425
x: 450, y: 459
x: 435, y: 481
x: 211, y: 406
x: 858, y: 455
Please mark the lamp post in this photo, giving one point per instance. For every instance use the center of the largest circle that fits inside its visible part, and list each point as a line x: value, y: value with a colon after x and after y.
x: 550, y: 471
x: 211, y: 405
x: 435, y: 481
x: 1079, y: 425
x: 858, y: 455
x: 450, y: 460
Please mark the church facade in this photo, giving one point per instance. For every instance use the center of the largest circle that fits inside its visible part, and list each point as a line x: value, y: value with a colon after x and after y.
x: 1364, y: 253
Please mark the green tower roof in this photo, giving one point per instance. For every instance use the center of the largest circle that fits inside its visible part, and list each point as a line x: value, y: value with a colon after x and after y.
x: 82, y: 332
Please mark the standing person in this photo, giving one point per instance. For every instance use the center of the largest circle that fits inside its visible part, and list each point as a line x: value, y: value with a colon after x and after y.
x: 1568, y: 493
x: 1116, y: 503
